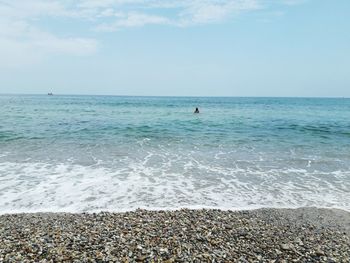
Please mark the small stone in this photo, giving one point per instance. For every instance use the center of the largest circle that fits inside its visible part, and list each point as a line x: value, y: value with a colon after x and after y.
x: 142, y: 258
x: 163, y: 250
x: 299, y: 242
x: 278, y: 252
x: 286, y: 246
x: 319, y: 252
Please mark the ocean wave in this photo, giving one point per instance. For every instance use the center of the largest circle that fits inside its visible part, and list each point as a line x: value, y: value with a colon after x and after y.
x: 88, y: 153
x: 75, y: 188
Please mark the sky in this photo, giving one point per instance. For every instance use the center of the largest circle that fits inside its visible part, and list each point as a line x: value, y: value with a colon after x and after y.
x: 176, y: 47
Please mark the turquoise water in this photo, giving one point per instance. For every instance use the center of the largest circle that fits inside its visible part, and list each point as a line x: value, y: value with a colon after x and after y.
x: 92, y: 153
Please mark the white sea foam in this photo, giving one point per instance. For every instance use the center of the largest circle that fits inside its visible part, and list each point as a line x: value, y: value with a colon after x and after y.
x: 67, y: 187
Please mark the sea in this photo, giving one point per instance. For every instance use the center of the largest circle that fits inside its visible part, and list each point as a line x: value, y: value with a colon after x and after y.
x: 113, y: 153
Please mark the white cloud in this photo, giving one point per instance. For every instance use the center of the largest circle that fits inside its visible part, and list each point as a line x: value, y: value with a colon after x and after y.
x: 31, y: 8
x: 293, y: 2
x: 133, y: 20
x: 22, y: 21
x: 201, y: 12
x: 18, y: 52
x: 128, y: 13
x: 179, y: 13
x: 22, y: 42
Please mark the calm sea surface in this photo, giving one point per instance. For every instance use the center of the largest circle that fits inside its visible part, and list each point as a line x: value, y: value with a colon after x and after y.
x: 92, y: 153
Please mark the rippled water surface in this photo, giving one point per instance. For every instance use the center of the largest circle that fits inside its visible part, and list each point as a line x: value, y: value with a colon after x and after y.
x: 92, y: 153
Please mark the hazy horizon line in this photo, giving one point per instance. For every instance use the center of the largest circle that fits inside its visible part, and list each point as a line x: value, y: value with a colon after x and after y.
x: 176, y: 96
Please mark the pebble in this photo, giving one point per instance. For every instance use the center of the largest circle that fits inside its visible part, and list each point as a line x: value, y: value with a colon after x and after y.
x: 266, y: 235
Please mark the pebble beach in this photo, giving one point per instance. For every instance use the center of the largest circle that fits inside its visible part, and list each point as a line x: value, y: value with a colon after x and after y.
x: 206, y: 235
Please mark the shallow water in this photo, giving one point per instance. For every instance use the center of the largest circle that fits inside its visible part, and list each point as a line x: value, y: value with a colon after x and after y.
x: 92, y: 153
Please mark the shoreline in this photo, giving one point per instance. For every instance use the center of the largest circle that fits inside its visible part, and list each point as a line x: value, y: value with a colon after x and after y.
x: 170, y: 209
x: 201, y: 235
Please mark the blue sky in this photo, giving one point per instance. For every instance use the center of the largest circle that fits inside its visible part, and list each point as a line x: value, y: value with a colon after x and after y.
x: 186, y: 48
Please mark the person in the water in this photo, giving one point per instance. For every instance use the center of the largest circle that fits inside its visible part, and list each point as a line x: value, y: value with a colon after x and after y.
x: 196, y: 111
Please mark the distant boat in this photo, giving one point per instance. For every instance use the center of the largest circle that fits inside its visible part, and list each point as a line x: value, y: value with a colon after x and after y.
x: 50, y: 94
